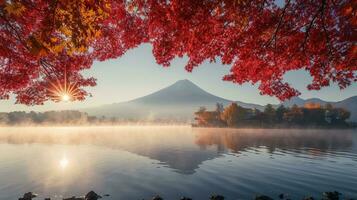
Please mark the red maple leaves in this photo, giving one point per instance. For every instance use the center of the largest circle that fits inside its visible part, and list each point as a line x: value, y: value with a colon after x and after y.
x: 46, y: 40
x: 261, y: 40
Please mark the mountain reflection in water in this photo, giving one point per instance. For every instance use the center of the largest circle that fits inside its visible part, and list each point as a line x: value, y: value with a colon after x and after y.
x: 136, y: 162
x: 184, y: 149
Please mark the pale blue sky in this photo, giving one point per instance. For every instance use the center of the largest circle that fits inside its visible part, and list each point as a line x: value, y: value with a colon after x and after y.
x: 137, y: 74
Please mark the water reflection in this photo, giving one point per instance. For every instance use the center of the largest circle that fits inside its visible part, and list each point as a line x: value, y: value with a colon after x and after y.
x: 183, y: 149
x: 172, y: 147
x: 63, y: 163
x: 139, y: 162
x: 304, y: 141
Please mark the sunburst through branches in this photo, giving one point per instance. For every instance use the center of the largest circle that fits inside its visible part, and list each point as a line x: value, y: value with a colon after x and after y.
x: 63, y: 91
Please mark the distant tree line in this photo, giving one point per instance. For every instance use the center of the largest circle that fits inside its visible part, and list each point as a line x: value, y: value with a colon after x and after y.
x: 310, y: 115
x: 69, y: 117
x: 50, y: 117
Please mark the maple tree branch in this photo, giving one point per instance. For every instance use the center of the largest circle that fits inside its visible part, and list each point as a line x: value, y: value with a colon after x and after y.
x: 262, y: 5
x: 48, y: 68
x: 54, y: 8
x: 328, y: 40
x: 307, y: 32
x: 274, y: 36
x: 17, y: 34
x: 44, y: 67
x: 30, y: 4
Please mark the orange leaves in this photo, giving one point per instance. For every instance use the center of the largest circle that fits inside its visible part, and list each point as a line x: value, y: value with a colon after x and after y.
x: 36, y: 47
x: 70, y: 26
x: 66, y: 25
x: 349, y: 10
x: 76, y: 24
x: 43, y: 39
x: 14, y: 8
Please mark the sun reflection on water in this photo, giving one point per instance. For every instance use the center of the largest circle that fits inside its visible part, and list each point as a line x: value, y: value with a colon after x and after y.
x: 63, y: 163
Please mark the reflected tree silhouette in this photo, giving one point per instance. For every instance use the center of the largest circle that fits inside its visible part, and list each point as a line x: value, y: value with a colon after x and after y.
x: 309, y: 141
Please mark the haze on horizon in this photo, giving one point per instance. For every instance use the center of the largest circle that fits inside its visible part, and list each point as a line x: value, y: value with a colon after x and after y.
x: 136, y: 74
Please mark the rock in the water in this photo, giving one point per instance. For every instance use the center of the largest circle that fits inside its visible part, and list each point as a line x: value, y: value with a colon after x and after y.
x: 185, y: 198
x: 28, y: 196
x: 92, y: 196
x: 281, y: 196
x: 263, y: 197
x: 309, y: 198
x: 157, y: 197
x: 331, y: 195
x: 217, y: 197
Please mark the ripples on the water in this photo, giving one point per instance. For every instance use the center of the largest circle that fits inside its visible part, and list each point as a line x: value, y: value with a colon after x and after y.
x: 138, y: 162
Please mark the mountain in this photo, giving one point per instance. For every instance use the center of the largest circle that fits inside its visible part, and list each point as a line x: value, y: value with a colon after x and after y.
x: 180, y: 100
x: 349, y: 104
x: 175, y: 102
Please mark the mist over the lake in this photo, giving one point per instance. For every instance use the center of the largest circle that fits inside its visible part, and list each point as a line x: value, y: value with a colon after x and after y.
x: 132, y: 162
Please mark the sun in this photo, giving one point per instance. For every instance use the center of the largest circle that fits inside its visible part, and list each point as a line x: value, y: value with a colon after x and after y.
x: 63, y: 91
x: 63, y: 163
x: 66, y: 97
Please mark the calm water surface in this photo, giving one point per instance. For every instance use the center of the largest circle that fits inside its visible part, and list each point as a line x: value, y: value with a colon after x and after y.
x: 139, y: 162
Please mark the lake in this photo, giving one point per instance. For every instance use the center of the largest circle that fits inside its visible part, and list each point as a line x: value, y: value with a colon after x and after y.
x: 136, y: 162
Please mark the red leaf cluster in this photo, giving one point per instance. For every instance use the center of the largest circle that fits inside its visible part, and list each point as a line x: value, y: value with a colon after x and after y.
x: 46, y: 40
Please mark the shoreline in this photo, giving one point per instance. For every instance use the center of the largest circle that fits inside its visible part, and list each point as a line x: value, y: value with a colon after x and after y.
x: 155, y: 125
x: 280, y: 128
x: 332, y: 195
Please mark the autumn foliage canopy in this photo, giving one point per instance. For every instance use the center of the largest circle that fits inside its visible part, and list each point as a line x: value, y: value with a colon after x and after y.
x: 45, y: 44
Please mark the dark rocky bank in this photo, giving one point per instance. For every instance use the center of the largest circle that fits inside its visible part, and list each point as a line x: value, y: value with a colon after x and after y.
x: 94, y: 196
